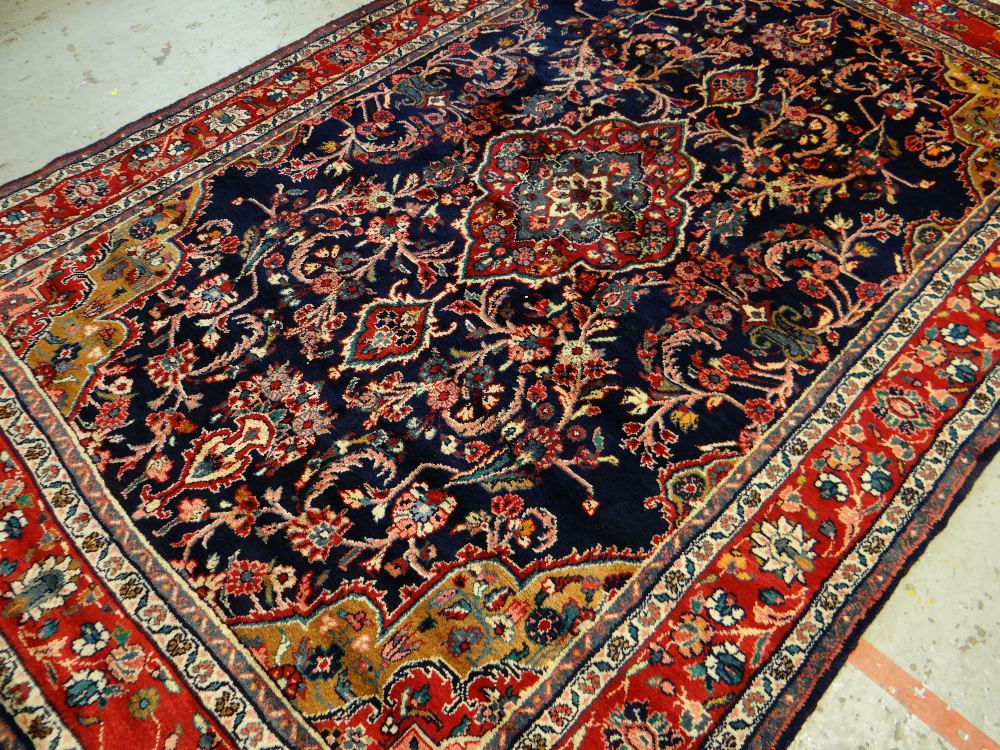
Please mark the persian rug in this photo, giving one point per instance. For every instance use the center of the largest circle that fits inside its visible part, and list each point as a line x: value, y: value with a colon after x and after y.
x: 498, y: 373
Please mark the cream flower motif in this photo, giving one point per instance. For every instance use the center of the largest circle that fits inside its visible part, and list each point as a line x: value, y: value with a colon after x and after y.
x: 986, y: 291
x: 443, y: 6
x: 85, y: 687
x: 44, y: 587
x: 784, y: 549
x: 228, y: 120
x: 575, y: 352
x: 93, y: 637
x: 831, y: 487
x: 12, y: 525
x: 420, y: 511
x: 723, y: 608
x: 725, y: 663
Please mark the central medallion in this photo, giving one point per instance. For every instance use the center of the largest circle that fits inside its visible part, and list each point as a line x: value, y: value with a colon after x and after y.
x: 604, y: 196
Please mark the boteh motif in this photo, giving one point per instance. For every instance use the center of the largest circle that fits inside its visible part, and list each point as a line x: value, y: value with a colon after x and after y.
x: 602, y: 197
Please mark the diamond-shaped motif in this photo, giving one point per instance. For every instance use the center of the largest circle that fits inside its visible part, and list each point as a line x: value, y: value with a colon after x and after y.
x: 388, y: 331
x: 732, y: 87
x: 603, y: 196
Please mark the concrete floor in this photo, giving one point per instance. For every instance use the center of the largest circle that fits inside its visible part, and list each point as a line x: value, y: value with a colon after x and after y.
x: 73, y: 71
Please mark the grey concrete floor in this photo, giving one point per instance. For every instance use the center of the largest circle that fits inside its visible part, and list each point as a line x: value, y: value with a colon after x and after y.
x: 74, y: 71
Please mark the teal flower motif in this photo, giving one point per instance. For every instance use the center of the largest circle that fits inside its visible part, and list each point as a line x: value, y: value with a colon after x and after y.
x: 44, y: 587
x: 12, y: 525
x: 725, y: 663
x: 831, y: 487
x: 962, y: 370
x: 957, y: 334
x: 85, y: 687
x: 723, y: 608
x: 876, y: 479
x: 93, y: 637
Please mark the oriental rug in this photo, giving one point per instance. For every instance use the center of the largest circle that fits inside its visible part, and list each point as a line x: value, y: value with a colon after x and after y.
x: 498, y: 373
